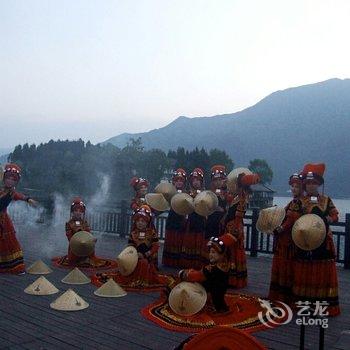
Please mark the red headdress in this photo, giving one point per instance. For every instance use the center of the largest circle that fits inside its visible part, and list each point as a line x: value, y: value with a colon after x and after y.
x: 179, y: 174
x: 197, y: 172
x: 218, y: 171
x: 314, y: 172
x: 137, y: 182
x: 77, y: 202
x: 246, y: 180
x: 296, y: 178
x: 144, y: 212
x: 13, y: 169
x: 221, y: 243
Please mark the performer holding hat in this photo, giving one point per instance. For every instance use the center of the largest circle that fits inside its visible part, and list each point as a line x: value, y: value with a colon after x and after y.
x: 214, y: 277
x: 144, y: 238
x: 175, y: 225
x: 282, y: 271
x: 194, y: 240
x: 234, y: 226
x: 318, y: 265
x: 11, y: 255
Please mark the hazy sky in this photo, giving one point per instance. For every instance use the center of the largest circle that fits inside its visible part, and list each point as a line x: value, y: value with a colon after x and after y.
x: 94, y: 69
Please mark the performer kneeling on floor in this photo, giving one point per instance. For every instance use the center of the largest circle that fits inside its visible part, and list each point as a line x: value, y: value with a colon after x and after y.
x: 214, y: 277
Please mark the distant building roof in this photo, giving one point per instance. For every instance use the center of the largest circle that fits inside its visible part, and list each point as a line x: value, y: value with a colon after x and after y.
x: 261, y: 188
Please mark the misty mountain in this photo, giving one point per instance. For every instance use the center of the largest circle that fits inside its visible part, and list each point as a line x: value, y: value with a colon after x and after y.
x: 310, y: 123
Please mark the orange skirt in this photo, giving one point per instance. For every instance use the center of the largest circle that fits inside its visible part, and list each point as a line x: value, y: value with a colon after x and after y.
x: 172, y: 248
x: 192, y: 246
x: 11, y: 255
x: 238, y: 274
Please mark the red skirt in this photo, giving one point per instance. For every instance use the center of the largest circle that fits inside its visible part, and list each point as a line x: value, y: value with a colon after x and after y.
x: 11, y: 255
x: 192, y: 247
x: 172, y: 248
x: 282, y: 271
x: 238, y: 275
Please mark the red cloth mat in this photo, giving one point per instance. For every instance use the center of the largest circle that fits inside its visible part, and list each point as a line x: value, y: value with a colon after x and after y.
x: 243, y: 314
x: 132, y: 285
x: 98, y: 264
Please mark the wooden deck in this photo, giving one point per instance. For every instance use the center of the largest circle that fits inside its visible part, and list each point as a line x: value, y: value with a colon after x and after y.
x: 27, y: 322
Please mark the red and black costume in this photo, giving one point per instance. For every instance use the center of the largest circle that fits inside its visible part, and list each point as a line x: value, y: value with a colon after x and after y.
x: 175, y: 226
x: 215, y: 276
x: 282, y: 271
x: 315, y: 271
x: 146, y: 243
x: 194, y: 237
x: 137, y: 183
x: 234, y: 226
x: 11, y: 255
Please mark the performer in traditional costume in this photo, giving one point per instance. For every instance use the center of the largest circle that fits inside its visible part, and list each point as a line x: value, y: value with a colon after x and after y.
x: 140, y: 186
x: 315, y: 271
x: 194, y: 237
x: 175, y: 226
x: 282, y: 271
x: 11, y: 255
x: 215, y: 223
x: 145, y: 239
x: 214, y: 277
x: 234, y: 226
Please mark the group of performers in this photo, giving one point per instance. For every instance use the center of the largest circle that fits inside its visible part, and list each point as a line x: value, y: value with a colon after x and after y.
x: 209, y: 250
x: 297, y: 274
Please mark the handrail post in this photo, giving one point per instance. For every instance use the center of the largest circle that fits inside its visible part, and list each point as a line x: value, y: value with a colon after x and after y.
x: 123, y: 218
x: 347, y: 242
x: 254, y: 234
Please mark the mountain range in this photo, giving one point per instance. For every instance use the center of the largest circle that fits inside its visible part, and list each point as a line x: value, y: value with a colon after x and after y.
x: 309, y: 123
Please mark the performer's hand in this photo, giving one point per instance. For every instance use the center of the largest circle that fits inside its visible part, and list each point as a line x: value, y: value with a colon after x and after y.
x: 182, y: 274
x: 140, y: 255
x: 278, y: 230
x: 32, y: 202
x: 329, y: 219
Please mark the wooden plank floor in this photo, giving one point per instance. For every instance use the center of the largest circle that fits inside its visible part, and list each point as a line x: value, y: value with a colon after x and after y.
x: 27, y: 322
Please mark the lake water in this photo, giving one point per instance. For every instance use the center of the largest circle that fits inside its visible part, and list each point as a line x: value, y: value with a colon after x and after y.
x: 343, y: 205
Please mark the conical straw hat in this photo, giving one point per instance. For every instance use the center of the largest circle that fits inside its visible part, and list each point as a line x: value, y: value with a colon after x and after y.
x: 187, y: 298
x: 76, y: 277
x: 167, y: 189
x: 39, y: 268
x: 270, y: 218
x: 127, y: 261
x: 309, y: 232
x: 232, y: 178
x: 110, y: 289
x: 41, y: 286
x: 182, y: 204
x: 157, y: 201
x: 69, y: 301
x: 82, y: 243
x: 205, y: 203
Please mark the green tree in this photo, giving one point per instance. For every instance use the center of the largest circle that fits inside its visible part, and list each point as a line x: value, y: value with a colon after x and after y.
x: 260, y: 166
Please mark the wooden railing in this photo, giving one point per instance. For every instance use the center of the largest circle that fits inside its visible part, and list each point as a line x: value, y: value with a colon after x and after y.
x: 118, y: 222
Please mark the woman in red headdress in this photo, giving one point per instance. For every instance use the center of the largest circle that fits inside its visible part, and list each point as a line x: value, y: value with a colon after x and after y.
x: 144, y: 238
x: 234, y: 226
x: 11, y: 255
x: 140, y: 186
x: 282, y: 271
x: 316, y: 278
x: 194, y: 237
x: 175, y: 226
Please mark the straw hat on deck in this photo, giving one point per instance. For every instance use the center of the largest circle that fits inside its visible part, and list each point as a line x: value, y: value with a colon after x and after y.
x: 41, y: 286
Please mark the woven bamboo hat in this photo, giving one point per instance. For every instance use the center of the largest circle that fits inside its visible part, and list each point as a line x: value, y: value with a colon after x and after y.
x: 69, y: 301
x: 41, y: 286
x: 167, y: 189
x: 270, y: 218
x: 110, y: 289
x: 39, y: 268
x: 232, y: 178
x: 182, y: 204
x: 127, y: 261
x: 157, y: 201
x: 309, y: 232
x: 205, y: 203
x: 82, y: 243
x: 187, y: 298
x: 76, y: 277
